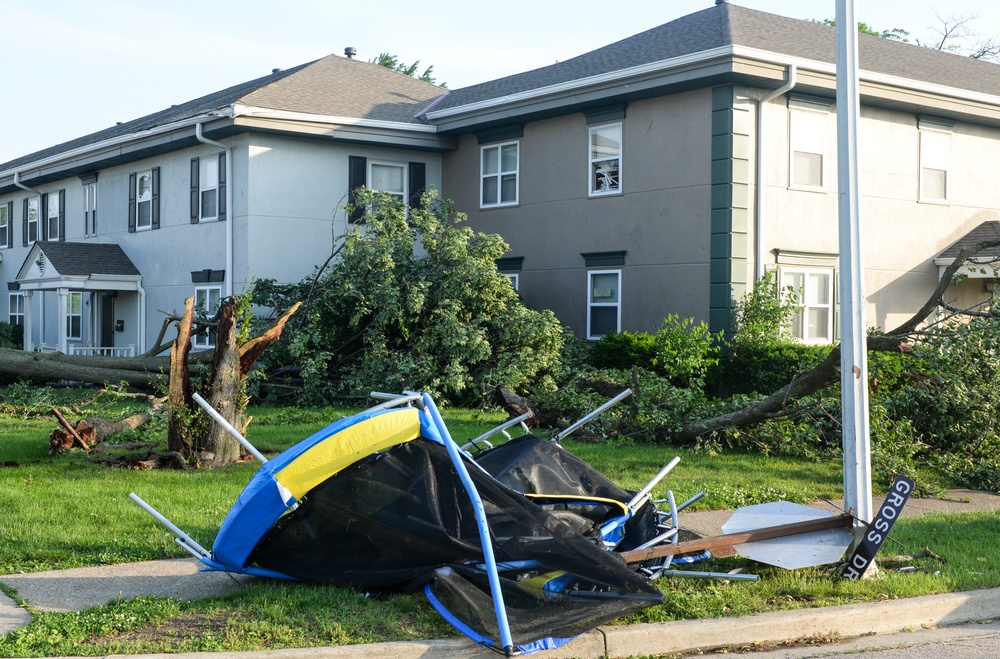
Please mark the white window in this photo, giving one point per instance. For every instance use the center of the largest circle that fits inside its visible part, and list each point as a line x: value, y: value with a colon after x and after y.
x: 814, y: 287
x: 208, y: 185
x: 144, y: 200
x: 206, y: 303
x: 807, y: 141
x: 605, y: 159
x: 935, y: 156
x: 514, y: 278
x: 74, y: 314
x: 499, y: 175
x: 32, y: 219
x: 15, y: 314
x: 52, y: 216
x: 388, y: 177
x: 90, y: 209
x: 604, y: 310
x: 5, y: 227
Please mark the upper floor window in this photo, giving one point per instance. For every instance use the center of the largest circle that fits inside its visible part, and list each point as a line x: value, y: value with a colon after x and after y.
x: 499, y: 174
x: 407, y: 181
x: 53, y: 211
x: 814, y: 287
x: 74, y: 314
x: 15, y: 314
x: 208, y: 188
x: 31, y: 220
x: 807, y: 144
x: 515, y: 279
x: 6, y: 237
x: 935, y: 159
x: 604, y: 311
x: 388, y: 177
x: 206, y: 303
x: 144, y: 200
x: 605, y: 159
x: 90, y: 209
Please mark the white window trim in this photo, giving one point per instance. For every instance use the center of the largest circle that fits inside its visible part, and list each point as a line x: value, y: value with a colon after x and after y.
x: 515, y: 279
x: 36, y: 202
x: 139, y: 201
x: 15, y: 309
x: 402, y: 166
x: 50, y: 219
x: 90, y: 209
x: 208, y: 164
x: 591, y: 160
x: 500, y: 173
x: 926, y: 134
x: 591, y: 304
x: 793, y: 143
x: 804, y: 308
x: 6, y: 223
x: 206, y: 340
x: 70, y: 315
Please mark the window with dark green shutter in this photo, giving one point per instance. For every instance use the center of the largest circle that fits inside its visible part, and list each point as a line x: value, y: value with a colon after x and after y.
x: 418, y: 183
x: 357, y: 174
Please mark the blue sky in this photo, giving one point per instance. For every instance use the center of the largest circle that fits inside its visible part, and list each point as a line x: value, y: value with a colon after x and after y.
x: 69, y: 68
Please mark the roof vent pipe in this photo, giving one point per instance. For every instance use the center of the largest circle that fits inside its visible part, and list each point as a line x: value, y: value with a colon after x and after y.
x: 350, y: 52
x: 722, y: 2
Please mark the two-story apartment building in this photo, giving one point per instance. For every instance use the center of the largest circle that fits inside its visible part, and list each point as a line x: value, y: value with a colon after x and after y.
x: 660, y: 174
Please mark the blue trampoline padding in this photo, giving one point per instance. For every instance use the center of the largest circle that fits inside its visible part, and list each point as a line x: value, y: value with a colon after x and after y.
x: 263, y: 501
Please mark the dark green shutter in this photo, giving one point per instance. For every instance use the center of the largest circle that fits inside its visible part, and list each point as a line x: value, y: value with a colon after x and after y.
x: 10, y: 224
x: 62, y: 215
x: 131, y: 202
x: 24, y: 224
x: 221, y: 193
x: 155, y: 201
x: 195, y: 182
x: 357, y: 174
x: 43, y: 220
x: 418, y: 183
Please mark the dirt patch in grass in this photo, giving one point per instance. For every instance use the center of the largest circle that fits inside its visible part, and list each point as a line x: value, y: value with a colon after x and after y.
x: 183, y: 627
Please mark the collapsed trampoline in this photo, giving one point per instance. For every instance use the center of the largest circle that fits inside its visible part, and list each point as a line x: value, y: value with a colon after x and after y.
x: 516, y: 545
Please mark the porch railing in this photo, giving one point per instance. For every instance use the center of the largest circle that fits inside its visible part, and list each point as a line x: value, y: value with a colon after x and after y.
x: 117, y: 351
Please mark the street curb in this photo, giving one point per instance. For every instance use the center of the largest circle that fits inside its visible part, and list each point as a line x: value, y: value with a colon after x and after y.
x: 683, y: 635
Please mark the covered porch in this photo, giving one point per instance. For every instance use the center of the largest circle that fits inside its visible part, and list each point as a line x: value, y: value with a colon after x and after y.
x: 82, y: 299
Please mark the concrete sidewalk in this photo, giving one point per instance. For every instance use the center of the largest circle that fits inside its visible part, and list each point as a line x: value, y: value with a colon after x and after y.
x: 77, y: 589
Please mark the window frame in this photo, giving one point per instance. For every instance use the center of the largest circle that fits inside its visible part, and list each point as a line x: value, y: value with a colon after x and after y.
x: 71, y: 316
x: 500, y: 174
x: 404, y: 178
x: 15, y: 311
x: 139, y: 200
x: 52, y: 210
x: 515, y: 279
x: 592, y: 161
x: 804, y: 139
x: 592, y: 305
x: 800, y: 319
x: 928, y: 136
x: 90, y: 209
x: 6, y: 226
x: 33, y: 225
x: 208, y: 166
x: 206, y: 339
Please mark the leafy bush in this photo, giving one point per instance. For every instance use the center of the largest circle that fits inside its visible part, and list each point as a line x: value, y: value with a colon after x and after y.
x: 764, y: 369
x: 764, y: 314
x: 414, y: 301
x: 11, y: 336
x: 623, y: 350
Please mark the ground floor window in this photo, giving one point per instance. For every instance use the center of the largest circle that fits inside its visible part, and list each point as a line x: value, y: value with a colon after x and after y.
x: 604, y: 312
x: 15, y: 314
x: 206, y: 303
x: 814, y: 288
x: 74, y: 315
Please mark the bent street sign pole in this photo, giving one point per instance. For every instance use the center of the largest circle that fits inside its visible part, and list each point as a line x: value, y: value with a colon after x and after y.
x: 853, y: 348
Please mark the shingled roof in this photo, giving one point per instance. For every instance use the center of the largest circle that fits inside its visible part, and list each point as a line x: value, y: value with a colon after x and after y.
x: 729, y: 25
x: 88, y: 259
x: 986, y: 232
x: 331, y: 86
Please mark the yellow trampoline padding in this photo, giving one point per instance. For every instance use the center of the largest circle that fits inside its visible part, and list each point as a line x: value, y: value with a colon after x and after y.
x: 347, y: 447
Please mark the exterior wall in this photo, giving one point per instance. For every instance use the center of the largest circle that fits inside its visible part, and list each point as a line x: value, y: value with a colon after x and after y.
x: 662, y: 219
x: 902, y: 235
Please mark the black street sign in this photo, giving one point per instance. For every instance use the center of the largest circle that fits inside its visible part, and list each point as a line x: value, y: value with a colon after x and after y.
x: 878, y: 530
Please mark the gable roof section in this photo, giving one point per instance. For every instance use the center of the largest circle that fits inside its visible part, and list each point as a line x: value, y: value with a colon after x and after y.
x: 725, y: 28
x: 82, y: 260
x: 986, y: 232
x: 331, y: 86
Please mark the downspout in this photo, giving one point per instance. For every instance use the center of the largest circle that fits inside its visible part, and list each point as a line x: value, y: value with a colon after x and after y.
x: 758, y: 222
x: 229, y: 204
x: 28, y: 343
x: 141, y: 339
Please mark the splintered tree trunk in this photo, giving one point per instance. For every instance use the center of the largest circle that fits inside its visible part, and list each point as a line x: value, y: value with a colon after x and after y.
x: 226, y: 389
x: 180, y: 433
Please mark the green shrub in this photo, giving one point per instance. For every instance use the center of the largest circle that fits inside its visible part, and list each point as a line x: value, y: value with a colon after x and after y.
x: 623, y: 350
x: 764, y: 369
x: 11, y: 336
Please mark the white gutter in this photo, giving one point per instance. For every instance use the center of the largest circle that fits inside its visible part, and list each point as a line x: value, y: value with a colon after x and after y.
x: 142, y: 316
x: 229, y: 204
x: 758, y: 213
x: 17, y: 182
x: 267, y: 113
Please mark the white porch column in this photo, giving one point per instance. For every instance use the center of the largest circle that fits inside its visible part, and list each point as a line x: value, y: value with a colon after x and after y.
x: 61, y: 319
x: 28, y: 344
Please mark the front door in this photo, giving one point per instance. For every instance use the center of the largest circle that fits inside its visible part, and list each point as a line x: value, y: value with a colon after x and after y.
x: 107, y: 321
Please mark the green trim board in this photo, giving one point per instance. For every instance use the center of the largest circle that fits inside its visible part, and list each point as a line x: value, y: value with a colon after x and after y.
x: 603, y: 259
x: 730, y: 195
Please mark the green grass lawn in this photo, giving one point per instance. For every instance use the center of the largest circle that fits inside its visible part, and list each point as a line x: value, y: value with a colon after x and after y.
x: 72, y: 509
